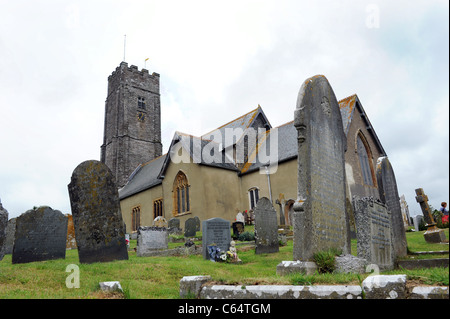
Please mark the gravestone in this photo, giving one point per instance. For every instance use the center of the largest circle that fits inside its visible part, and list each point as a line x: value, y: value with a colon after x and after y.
x: 387, y: 188
x: 266, y: 227
x: 174, y: 226
x: 151, y: 239
x: 240, y: 217
x: 190, y: 227
x: 373, y: 232
x: 405, y: 212
x: 40, y: 235
x: 319, y: 216
x: 8, y: 244
x: 3, y: 226
x: 416, y: 221
x: 433, y: 234
x: 160, y: 221
x: 173, y: 222
x: 71, y: 242
x: 215, y: 231
x: 99, y: 228
x: 197, y: 223
x: 238, y: 228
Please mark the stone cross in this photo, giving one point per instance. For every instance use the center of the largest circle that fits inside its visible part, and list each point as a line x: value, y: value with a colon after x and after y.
x: 433, y: 234
x: 422, y: 199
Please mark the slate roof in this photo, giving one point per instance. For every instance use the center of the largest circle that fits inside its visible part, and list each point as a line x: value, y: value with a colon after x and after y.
x: 144, y: 177
x: 152, y: 173
x: 287, y: 147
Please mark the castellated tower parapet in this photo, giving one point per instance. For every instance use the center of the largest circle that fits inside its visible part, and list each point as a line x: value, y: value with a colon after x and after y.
x: 132, y: 128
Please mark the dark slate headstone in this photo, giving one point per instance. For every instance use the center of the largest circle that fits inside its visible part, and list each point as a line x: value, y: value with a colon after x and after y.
x: 238, y: 228
x: 319, y: 217
x: 373, y: 232
x: 266, y: 227
x: 190, y: 227
x: 3, y: 225
x: 174, y: 226
x: 99, y: 228
x: 40, y: 235
x: 215, y: 231
x: 387, y: 187
x: 173, y: 222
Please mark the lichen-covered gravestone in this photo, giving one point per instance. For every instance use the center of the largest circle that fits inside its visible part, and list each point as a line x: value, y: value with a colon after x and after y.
x: 99, y: 228
x: 40, y: 235
x: 190, y: 227
x: 320, y: 209
x: 387, y: 187
x: 150, y: 239
x: 373, y: 232
x: 3, y: 225
x: 266, y: 227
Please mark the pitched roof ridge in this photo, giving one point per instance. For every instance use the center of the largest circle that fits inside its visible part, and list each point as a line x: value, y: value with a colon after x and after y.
x: 146, y: 163
x: 240, y: 117
x: 348, y: 97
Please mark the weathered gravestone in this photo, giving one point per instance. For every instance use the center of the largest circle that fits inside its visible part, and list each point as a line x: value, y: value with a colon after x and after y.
x: 387, y: 188
x: 240, y: 217
x: 99, y: 228
x: 151, y: 239
x: 433, y: 234
x: 190, y: 227
x: 417, y: 220
x: 238, y: 228
x: 266, y: 227
x: 10, y: 234
x: 173, y: 222
x: 197, y: 223
x: 174, y: 226
x: 319, y: 217
x: 373, y: 232
x: 160, y: 221
x: 71, y: 242
x: 3, y: 225
x: 40, y: 235
x: 215, y: 231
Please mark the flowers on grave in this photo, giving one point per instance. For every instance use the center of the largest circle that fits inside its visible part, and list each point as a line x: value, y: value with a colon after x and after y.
x: 218, y: 255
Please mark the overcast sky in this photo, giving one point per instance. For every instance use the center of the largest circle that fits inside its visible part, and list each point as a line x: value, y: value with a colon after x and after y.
x: 217, y: 61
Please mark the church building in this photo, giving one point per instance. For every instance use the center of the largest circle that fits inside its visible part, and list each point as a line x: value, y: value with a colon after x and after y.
x: 222, y: 172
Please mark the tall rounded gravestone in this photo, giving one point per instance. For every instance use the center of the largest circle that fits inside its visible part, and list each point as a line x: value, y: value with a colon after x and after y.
x: 97, y: 219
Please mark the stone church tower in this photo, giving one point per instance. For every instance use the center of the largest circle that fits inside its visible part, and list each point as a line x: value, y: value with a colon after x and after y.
x: 132, y: 129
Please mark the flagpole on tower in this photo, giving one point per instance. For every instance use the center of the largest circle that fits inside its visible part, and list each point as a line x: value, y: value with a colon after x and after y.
x: 145, y: 63
x: 124, y: 46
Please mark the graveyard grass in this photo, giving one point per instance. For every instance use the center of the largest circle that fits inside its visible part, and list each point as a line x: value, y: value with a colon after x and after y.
x: 159, y: 277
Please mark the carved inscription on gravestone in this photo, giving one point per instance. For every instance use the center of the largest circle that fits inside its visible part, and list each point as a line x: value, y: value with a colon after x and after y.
x: 150, y: 239
x: 40, y: 235
x: 215, y: 231
x: 373, y: 232
x: 99, y: 228
x: 319, y: 217
x: 266, y: 227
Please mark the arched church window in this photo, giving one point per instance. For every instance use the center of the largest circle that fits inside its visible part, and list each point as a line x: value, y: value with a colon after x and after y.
x: 181, y: 194
x: 365, y: 160
x: 253, y: 197
x: 135, y: 218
